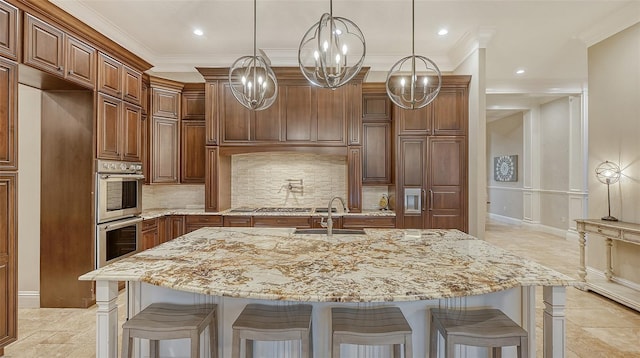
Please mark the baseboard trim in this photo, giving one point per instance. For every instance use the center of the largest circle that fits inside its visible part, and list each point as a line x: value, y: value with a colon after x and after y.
x: 505, y: 219
x: 28, y: 299
x: 567, y: 234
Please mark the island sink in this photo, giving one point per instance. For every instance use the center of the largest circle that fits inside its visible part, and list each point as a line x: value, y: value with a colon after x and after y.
x: 323, y: 231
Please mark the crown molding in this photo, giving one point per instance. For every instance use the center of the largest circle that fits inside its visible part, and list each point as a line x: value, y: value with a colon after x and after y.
x: 617, y: 21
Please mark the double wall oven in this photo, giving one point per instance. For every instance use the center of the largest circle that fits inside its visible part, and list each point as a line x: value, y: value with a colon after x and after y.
x: 118, y: 209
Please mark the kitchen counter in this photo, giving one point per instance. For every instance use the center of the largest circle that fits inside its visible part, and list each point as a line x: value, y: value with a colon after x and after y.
x: 276, y: 264
x: 155, y: 213
x: 413, y: 269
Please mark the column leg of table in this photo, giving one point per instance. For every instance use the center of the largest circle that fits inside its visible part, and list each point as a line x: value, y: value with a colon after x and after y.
x: 608, y: 273
x: 107, y: 319
x: 582, y: 270
x: 554, y: 328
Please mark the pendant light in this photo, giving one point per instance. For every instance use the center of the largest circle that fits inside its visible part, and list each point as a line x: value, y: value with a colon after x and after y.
x: 251, y: 78
x: 414, y: 81
x: 332, y: 51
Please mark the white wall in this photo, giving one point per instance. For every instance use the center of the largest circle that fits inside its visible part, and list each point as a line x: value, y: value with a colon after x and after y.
x: 29, y: 109
x: 614, y: 135
x: 505, y: 137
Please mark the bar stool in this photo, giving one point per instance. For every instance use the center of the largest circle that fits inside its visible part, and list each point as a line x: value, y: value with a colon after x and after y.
x: 481, y: 328
x: 160, y: 321
x: 258, y: 322
x: 370, y: 326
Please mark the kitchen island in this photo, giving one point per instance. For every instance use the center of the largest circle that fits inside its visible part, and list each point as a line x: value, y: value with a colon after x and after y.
x: 412, y: 269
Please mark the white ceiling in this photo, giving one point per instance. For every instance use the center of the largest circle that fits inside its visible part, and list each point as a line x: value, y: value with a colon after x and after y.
x: 547, y: 38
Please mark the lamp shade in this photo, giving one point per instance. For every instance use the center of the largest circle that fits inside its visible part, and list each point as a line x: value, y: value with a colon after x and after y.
x: 608, y: 172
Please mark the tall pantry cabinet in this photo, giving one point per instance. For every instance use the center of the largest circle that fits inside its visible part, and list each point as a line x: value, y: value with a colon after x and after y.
x: 8, y: 174
x: 431, y: 170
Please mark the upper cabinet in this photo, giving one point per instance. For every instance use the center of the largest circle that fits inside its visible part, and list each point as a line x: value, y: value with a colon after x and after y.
x: 164, y: 132
x: 50, y: 49
x: 377, y: 134
x: 119, y: 129
x: 8, y: 117
x: 119, y: 80
x: 301, y: 115
x: 8, y: 31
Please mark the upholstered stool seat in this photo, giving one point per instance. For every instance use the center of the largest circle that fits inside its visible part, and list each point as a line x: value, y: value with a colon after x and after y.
x: 481, y: 328
x: 160, y: 321
x: 258, y: 322
x: 370, y: 326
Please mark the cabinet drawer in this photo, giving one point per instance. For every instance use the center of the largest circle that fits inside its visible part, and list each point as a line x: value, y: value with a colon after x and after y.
x: 631, y: 237
x: 282, y: 221
x: 149, y: 224
x: 204, y: 220
x: 237, y: 221
x: 606, y: 232
x: 359, y: 222
x: 316, y: 222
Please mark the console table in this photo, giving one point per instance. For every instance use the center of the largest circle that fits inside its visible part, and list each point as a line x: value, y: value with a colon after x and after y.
x: 609, y: 285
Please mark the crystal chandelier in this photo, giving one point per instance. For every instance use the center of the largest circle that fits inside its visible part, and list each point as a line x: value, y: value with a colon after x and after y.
x: 414, y: 81
x: 332, y: 51
x: 251, y: 78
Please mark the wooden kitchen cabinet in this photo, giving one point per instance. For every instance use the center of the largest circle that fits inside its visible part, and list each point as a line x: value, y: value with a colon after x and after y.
x: 217, y: 196
x: 193, y: 159
x: 354, y: 180
x: 376, y: 152
x: 149, y: 233
x: 193, y: 102
x: 237, y: 221
x: 119, y: 132
x: 8, y: 259
x: 165, y: 154
x: 413, y: 121
x: 361, y: 222
x: 8, y: 31
x: 195, y: 222
x: 234, y: 126
x: 411, y: 180
x: 450, y: 112
x: 8, y: 116
x: 298, y: 222
x: 174, y: 226
x: 119, y: 80
x: 164, y: 133
x: 317, y: 220
x: 331, y: 113
x: 52, y: 50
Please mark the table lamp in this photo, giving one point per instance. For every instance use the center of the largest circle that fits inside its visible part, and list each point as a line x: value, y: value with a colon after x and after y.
x: 608, y: 173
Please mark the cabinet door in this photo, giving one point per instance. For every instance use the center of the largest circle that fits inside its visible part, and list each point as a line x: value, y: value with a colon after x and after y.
x: 165, y: 103
x: 132, y: 135
x: 164, y: 150
x: 109, y: 122
x: 8, y: 259
x: 331, y: 115
x: 376, y: 107
x: 235, y: 118
x: 299, y: 113
x: 193, y: 105
x: 354, y: 181
x: 132, y: 85
x: 195, y: 222
x: 81, y: 62
x: 413, y: 121
x: 447, y: 182
x: 109, y: 75
x: 450, y: 112
x: 8, y: 30
x: 175, y: 226
x: 44, y: 46
x: 8, y: 117
x: 266, y: 124
x: 150, y: 239
x: 212, y: 176
x: 410, y: 183
x: 376, y: 156
x: 193, y: 152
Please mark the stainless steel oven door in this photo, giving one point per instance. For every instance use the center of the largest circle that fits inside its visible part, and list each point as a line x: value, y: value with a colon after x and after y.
x: 118, y: 196
x: 117, y: 240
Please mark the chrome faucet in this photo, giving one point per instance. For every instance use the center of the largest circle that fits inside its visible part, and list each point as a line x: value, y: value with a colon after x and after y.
x: 329, y: 223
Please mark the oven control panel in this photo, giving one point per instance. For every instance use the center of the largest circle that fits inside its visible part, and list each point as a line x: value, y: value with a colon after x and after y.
x: 118, y: 167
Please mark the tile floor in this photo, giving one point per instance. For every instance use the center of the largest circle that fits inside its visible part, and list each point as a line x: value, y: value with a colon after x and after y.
x: 596, y: 326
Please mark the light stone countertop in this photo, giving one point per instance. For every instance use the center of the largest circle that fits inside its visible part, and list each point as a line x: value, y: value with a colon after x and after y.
x: 155, y: 213
x: 383, y: 265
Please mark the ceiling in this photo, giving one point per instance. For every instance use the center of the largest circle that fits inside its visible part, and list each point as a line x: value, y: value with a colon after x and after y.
x: 549, y: 39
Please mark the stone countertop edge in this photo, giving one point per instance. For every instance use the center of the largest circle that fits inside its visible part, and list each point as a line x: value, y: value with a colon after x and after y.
x: 381, y: 266
x: 156, y: 213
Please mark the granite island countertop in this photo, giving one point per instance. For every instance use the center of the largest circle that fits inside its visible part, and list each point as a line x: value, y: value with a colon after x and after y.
x: 382, y: 265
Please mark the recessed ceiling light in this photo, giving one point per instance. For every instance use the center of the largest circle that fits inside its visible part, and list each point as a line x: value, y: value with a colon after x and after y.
x: 443, y: 32
x: 198, y: 32
x: 520, y: 71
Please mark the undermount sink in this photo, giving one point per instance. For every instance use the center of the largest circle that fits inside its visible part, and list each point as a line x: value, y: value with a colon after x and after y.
x: 335, y: 231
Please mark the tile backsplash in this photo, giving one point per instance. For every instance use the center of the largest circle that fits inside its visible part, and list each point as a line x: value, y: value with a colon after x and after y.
x: 261, y: 179
x: 172, y: 196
